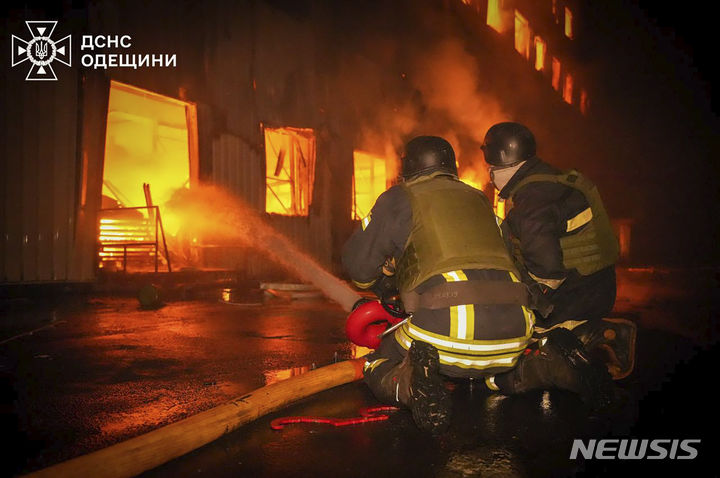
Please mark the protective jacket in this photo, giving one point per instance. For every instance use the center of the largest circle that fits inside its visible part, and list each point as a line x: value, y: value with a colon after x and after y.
x: 442, y: 232
x: 561, y: 235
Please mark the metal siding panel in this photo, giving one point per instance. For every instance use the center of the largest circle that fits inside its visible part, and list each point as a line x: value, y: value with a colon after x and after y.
x: 66, y: 111
x: 12, y: 249
x: 96, y: 87
x: 4, y: 140
x: 235, y: 168
x: 47, y: 159
x: 31, y: 135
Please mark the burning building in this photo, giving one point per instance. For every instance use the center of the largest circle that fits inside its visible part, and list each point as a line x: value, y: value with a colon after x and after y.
x: 295, y: 108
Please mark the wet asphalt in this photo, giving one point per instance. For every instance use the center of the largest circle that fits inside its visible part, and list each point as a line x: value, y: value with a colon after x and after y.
x: 81, y: 372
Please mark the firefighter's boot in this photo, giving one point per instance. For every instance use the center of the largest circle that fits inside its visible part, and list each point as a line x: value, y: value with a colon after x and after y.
x: 559, y: 360
x: 417, y: 384
x: 611, y: 341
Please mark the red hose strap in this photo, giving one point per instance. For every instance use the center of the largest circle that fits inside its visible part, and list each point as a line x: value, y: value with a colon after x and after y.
x: 367, y: 415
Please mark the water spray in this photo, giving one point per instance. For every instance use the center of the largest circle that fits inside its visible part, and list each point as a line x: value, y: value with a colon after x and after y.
x: 209, y: 210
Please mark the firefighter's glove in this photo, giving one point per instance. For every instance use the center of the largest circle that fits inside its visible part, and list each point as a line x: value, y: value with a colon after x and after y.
x: 539, y: 300
x: 385, y: 287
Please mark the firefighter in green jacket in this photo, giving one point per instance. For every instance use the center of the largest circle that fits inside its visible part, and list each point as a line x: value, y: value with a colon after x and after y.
x: 561, y: 238
x: 470, y: 315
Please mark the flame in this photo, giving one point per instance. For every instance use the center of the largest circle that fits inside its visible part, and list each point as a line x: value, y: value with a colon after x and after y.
x: 522, y: 35
x: 568, y: 89
x: 496, y: 17
x: 479, y: 179
x: 568, y: 23
x: 370, y: 179
x: 540, y: 49
x: 146, y: 142
x: 556, y: 74
x: 290, y: 169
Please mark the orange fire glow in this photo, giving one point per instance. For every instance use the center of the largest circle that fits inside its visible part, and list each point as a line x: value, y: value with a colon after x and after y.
x: 496, y: 16
x: 149, y: 140
x: 473, y: 178
x: 540, y: 49
x: 478, y: 178
x: 499, y: 205
x: 556, y: 74
x: 146, y: 142
x: 584, y: 102
x: 274, y: 376
x: 568, y: 23
x: 290, y: 170
x: 568, y: 89
x: 522, y: 35
x: 370, y: 179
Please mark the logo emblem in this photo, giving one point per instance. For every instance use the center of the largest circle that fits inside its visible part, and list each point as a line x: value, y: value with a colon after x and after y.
x: 41, y: 50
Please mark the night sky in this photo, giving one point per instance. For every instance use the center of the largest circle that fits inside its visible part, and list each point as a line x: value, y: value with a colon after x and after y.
x: 689, y: 28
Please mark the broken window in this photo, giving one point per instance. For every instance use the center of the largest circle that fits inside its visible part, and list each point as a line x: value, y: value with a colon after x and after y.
x: 370, y: 179
x: 522, y: 35
x: 540, y: 49
x: 568, y: 23
x: 290, y: 170
x: 568, y: 89
x: 556, y: 74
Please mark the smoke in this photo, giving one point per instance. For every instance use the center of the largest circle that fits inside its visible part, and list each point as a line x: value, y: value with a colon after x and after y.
x: 208, y: 211
x: 447, y: 76
x: 439, y: 94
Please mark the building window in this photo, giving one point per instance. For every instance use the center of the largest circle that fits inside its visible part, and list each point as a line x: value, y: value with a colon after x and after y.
x: 584, y: 102
x: 522, y: 35
x: 568, y: 89
x: 290, y: 170
x: 540, y: 49
x: 568, y: 23
x: 556, y: 74
x: 495, y: 16
x: 370, y: 179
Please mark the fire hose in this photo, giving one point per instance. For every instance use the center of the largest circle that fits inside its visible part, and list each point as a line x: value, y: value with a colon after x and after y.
x: 145, y: 452
x: 365, y: 326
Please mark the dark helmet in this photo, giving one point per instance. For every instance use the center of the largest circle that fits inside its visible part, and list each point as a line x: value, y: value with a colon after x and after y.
x: 427, y: 154
x: 507, y: 144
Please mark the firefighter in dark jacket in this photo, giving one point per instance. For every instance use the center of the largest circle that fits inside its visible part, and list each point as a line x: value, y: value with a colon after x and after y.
x: 437, y: 239
x: 559, y: 233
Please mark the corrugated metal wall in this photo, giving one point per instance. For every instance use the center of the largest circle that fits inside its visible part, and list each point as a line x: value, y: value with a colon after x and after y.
x: 239, y: 168
x: 50, y: 172
x: 39, y: 178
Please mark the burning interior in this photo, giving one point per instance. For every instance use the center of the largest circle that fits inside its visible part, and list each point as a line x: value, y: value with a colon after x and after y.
x: 370, y: 179
x: 290, y: 170
x: 147, y: 158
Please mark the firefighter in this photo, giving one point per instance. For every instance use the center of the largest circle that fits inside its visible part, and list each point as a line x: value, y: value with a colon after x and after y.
x: 560, y: 237
x: 436, y: 239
